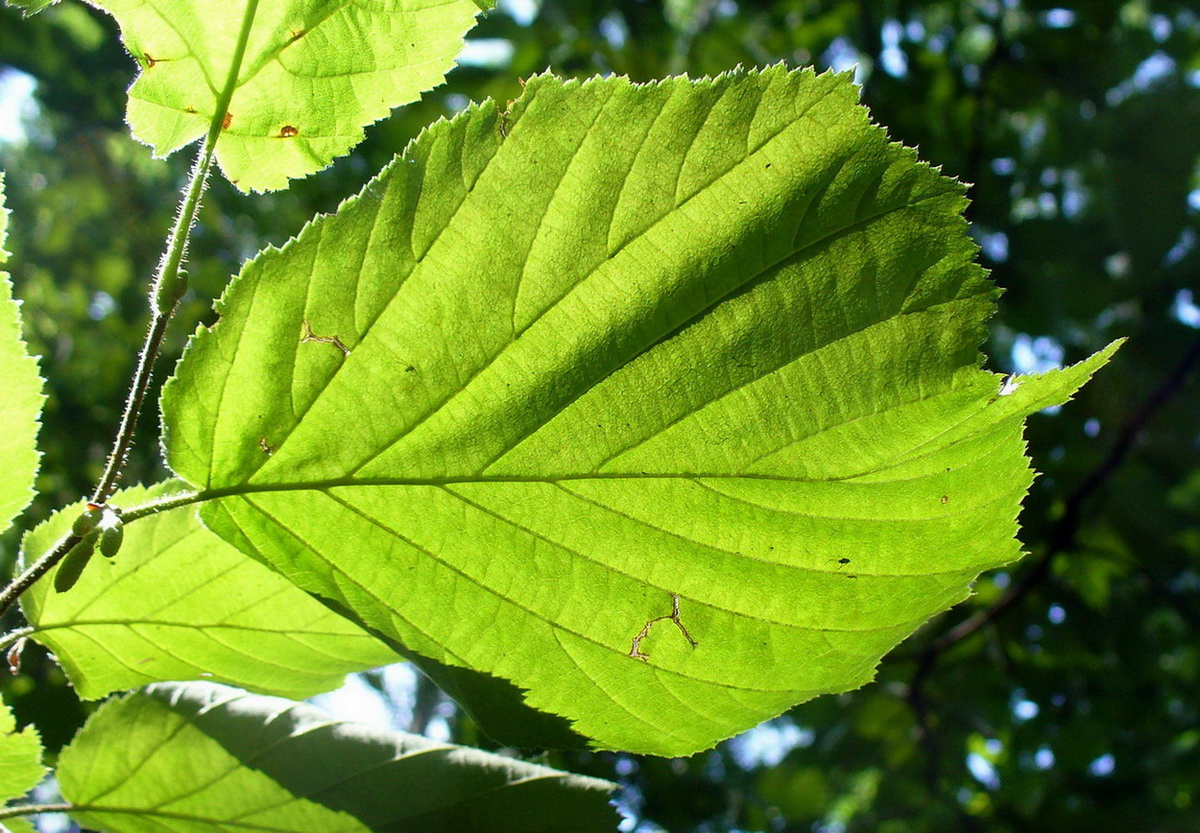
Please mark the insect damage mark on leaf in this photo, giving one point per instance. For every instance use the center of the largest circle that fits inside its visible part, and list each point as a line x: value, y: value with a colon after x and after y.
x: 635, y: 649
x: 265, y: 446
x: 502, y: 123
x: 288, y: 131
x: 309, y: 336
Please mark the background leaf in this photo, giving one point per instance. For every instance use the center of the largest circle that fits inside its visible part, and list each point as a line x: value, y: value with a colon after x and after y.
x: 202, y: 756
x: 314, y: 73
x: 615, y: 362
x: 20, y: 398
x: 178, y: 603
x: 20, y: 758
x: 29, y: 7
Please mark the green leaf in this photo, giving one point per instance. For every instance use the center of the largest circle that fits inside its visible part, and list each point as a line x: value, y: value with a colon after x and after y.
x: 20, y: 758
x: 311, y: 75
x: 20, y: 398
x: 207, y: 757
x: 28, y: 8
x: 662, y: 402
x: 178, y: 603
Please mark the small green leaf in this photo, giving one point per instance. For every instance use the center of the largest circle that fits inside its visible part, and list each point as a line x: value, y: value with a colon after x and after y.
x: 181, y: 604
x: 200, y: 757
x: 21, y: 398
x: 20, y: 758
x: 28, y: 8
x: 313, y: 73
x: 662, y: 402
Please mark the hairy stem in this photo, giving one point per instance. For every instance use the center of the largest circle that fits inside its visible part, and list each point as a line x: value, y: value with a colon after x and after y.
x: 33, y: 809
x: 170, y: 284
x: 12, y: 637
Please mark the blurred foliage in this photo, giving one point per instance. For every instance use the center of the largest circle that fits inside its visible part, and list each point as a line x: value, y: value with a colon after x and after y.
x: 1079, y: 125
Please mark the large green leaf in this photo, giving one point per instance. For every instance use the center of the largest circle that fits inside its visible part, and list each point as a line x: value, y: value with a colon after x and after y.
x: 178, y: 603
x: 20, y: 398
x: 561, y: 373
x: 311, y: 75
x: 200, y: 757
x: 20, y: 758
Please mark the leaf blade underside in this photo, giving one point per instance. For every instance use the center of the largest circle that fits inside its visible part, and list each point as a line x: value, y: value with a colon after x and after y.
x: 20, y: 758
x: 21, y: 400
x: 559, y: 367
x: 178, y: 603
x: 200, y: 756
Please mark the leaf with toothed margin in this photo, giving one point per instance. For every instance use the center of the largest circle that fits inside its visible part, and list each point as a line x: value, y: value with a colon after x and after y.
x: 312, y: 75
x: 178, y: 603
x: 21, y: 398
x: 198, y: 757
x: 20, y: 759
x: 662, y: 402
x: 29, y: 8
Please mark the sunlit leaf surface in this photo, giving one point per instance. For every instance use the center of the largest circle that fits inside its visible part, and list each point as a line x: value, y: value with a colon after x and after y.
x: 20, y: 758
x: 20, y: 399
x: 312, y: 74
x: 662, y: 402
x: 178, y: 603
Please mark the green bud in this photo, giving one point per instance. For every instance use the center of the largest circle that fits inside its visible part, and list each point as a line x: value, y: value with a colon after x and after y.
x: 71, y: 567
x: 86, y: 522
x: 111, y: 538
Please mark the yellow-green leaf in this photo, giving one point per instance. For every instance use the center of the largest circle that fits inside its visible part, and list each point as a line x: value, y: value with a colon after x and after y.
x: 20, y: 398
x: 662, y: 402
x: 178, y: 603
x: 304, y: 76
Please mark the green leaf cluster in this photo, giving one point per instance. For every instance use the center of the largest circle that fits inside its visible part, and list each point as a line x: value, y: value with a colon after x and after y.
x: 632, y: 413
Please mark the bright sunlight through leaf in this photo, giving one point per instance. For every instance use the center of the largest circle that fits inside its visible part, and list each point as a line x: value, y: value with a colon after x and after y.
x: 305, y: 75
x: 178, y: 603
x: 20, y: 399
x: 662, y: 402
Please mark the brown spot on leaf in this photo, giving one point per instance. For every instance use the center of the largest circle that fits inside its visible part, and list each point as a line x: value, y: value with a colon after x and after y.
x: 190, y: 110
x: 635, y: 650
x: 150, y: 62
x: 288, y: 131
x: 945, y: 499
x: 308, y: 336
